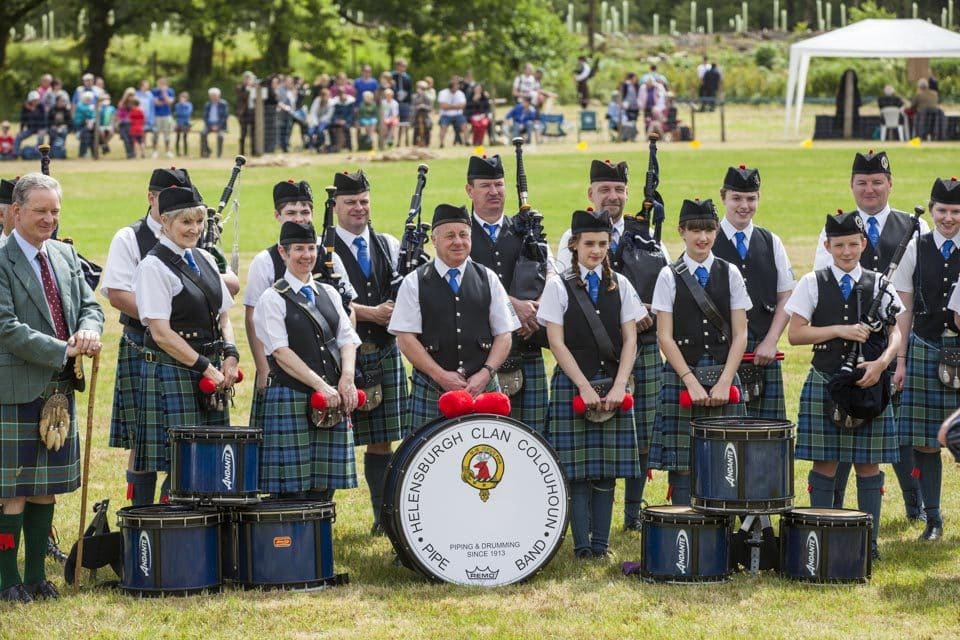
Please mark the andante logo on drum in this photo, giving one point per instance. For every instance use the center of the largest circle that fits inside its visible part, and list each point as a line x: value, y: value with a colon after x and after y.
x: 478, y: 574
x: 227, y: 461
x: 145, y: 554
x: 813, y: 553
x: 683, y: 551
x: 730, y: 458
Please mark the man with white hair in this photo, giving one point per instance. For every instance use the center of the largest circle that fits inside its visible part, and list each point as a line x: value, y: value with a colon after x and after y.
x: 86, y: 85
x: 214, y: 121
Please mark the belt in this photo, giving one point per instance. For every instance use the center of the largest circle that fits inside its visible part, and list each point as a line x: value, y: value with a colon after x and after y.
x: 367, y: 348
x: 162, y: 357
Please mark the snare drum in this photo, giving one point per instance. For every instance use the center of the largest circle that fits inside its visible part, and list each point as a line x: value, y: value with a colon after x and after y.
x: 825, y: 545
x: 741, y: 465
x: 169, y: 550
x: 282, y: 545
x: 682, y: 545
x: 476, y: 500
x: 214, y: 465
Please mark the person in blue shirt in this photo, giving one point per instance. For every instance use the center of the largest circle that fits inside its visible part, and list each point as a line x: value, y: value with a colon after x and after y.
x: 181, y: 114
x: 163, y: 98
x: 523, y: 119
x: 215, y: 114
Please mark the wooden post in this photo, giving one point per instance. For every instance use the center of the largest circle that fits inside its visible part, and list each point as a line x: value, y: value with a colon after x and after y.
x: 258, y: 121
x: 723, y: 124
x: 847, y: 105
x: 693, y: 121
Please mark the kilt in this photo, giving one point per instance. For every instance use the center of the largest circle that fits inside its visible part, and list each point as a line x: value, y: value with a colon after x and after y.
x: 589, y: 451
x: 256, y: 408
x: 168, y: 398
x: 529, y: 406
x: 295, y: 455
x: 818, y: 439
x: 126, y: 391
x: 670, y: 443
x: 27, y: 468
x: 925, y: 402
x: 386, y: 422
x: 771, y: 405
x: 424, y: 393
x: 646, y: 379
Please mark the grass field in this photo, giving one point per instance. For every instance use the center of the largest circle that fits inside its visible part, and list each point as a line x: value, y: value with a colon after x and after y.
x: 914, y: 589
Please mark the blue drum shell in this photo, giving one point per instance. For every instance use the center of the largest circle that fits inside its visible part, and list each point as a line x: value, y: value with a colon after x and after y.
x: 211, y: 464
x: 284, y: 544
x: 741, y: 465
x: 826, y: 545
x: 169, y: 550
x: 679, y: 544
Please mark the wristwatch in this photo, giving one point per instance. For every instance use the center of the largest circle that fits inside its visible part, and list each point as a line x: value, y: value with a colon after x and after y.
x: 490, y: 370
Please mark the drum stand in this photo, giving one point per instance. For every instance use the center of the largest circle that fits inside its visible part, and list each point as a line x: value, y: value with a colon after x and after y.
x: 753, y: 527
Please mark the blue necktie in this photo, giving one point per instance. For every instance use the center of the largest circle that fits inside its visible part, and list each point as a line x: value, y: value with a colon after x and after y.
x: 452, y: 277
x: 363, y: 258
x: 846, y: 285
x: 614, y: 241
x: 492, y: 230
x: 873, y: 231
x: 702, y: 276
x: 946, y: 249
x: 191, y: 262
x: 741, y: 244
x: 593, y: 286
x: 307, y: 292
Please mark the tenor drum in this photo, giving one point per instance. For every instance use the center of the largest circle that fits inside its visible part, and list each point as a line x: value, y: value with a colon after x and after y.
x: 825, y: 545
x: 741, y: 465
x: 679, y: 544
x: 476, y: 500
x: 169, y: 550
x: 214, y: 465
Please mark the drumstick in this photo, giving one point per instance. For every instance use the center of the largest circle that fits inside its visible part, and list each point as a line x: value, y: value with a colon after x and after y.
x: 91, y: 399
x: 749, y: 356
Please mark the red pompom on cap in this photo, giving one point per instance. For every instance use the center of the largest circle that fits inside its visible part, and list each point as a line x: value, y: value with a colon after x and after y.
x: 493, y: 402
x: 454, y: 404
x: 318, y: 401
x: 207, y: 386
x: 743, y: 166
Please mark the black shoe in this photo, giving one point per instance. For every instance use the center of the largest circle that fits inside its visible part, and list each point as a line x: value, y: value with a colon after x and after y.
x: 583, y: 554
x: 601, y: 555
x: 43, y: 591
x: 875, y: 552
x: 377, y: 530
x: 932, y: 532
x: 16, y: 593
x: 632, y: 525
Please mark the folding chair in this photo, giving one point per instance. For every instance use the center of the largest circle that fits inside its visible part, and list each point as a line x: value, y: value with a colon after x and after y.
x: 552, y: 125
x: 588, y: 122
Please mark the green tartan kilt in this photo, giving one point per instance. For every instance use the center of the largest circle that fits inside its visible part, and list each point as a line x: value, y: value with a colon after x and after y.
x: 256, y: 408
x: 297, y: 456
x: 386, y: 422
x: 647, y: 376
x: 820, y: 440
x: 925, y: 401
x: 169, y: 398
x: 587, y: 450
x: 126, y: 391
x: 670, y: 446
x: 529, y: 405
x: 27, y: 468
x: 771, y: 405
x: 424, y: 394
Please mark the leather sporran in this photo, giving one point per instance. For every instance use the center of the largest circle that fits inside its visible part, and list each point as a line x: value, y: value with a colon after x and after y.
x: 708, y: 376
x: 510, y: 376
x: 372, y: 385
x: 326, y: 419
x: 55, y: 421
x: 602, y: 386
x: 948, y: 367
x: 751, y: 381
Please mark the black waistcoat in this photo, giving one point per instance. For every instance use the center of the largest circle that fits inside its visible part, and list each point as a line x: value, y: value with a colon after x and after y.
x: 934, y: 281
x: 640, y: 261
x: 693, y: 333
x: 833, y: 309
x: 501, y: 256
x: 308, y: 342
x: 897, y: 225
x: 192, y: 316
x: 370, y: 291
x: 146, y: 241
x: 456, y: 329
x: 578, y: 335
x: 280, y: 269
x: 759, y: 273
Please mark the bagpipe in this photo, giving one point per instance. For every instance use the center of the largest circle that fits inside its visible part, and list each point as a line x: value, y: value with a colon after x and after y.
x: 652, y: 212
x: 326, y: 274
x: 851, y: 405
x: 415, y: 236
x: 213, y: 230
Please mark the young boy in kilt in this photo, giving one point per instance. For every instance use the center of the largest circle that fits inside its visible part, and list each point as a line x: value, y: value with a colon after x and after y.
x: 370, y: 259
x: 595, y: 343
x: 453, y: 319
x: 699, y: 343
x: 930, y: 322
x: 823, y: 312
x: 299, y: 459
x: 753, y: 250
x: 184, y: 305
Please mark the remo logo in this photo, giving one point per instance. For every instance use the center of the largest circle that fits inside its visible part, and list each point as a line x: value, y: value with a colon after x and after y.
x: 482, y: 468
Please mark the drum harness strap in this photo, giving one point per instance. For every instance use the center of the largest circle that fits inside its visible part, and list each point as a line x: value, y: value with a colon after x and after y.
x: 700, y: 297
x: 604, y: 343
x: 283, y: 288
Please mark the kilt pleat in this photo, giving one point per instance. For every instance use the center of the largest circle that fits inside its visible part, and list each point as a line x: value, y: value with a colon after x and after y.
x: 925, y: 401
x: 590, y: 451
x: 818, y: 439
x: 529, y: 405
x: 386, y: 422
x: 647, y: 375
x: 126, y: 391
x: 771, y: 405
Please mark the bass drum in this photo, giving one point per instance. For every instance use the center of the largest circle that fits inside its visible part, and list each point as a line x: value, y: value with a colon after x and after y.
x: 476, y: 500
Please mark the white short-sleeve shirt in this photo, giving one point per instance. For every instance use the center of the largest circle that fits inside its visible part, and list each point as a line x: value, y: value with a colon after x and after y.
x: 155, y: 284
x: 260, y: 276
x: 785, y: 277
x: 803, y: 301
x: 123, y: 258
x: 665, y: 291
x: 555, y: 302
x: 822, y: 259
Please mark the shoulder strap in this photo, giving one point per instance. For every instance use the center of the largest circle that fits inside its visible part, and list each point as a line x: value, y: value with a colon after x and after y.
x: 175, y: 261
x: 701, y: 298
x: 604, y: 343
x: 313, y: 313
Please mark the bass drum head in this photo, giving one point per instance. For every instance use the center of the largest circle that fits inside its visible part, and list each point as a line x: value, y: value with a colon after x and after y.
x: 478, y: 500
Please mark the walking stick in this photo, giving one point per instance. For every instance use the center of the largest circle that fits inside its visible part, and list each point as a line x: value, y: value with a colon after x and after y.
x: 91, y: 399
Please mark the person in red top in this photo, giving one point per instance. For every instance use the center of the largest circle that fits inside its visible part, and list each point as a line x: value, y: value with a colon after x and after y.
x: 137, y: 118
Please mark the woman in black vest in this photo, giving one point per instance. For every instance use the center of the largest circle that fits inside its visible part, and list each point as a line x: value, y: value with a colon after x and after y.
x: 931, y: 324
x: 183, y: 302
x: 310, y: 345
x: 594, y: 363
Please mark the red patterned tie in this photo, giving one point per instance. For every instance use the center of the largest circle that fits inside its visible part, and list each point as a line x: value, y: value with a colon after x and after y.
x: 53, y: 298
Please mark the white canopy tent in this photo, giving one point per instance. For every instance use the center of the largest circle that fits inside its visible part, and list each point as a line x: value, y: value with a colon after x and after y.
x: 865, y: 39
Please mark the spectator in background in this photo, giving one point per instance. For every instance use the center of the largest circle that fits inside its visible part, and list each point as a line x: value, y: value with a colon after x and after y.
x: 478, y: 113
x: 182, y: 112
x: 422, y: 106
x: 656, y: 75
x: 321, y: 82
x: 581, y: 76
x: 145, y: 96
x: 702, y: 67
x: 59, y: 120
x: 33, y: 121
x: 368, y: 118
x: 403, y: 86
x: 467, y: 83
x: 106, y: 112
x: 366, y: 82
x: 525, y: 84
x: 343, y: 115
x: 615, y: 111
x: 49, y: 99
x: 929, y: 116
x: 630, y: 97
x: 319, y: 119
x: 889, y: 98
x: 84, y: 118
x: 523, y: 120
x: 123, y: 119
x: 385, y: 82
x: 246, y: 97
x: 343, y: 85
x: 430, y: 91
x: 542, y: 98
x: 86, y: 84
x: 709, y: 88
x: 215, y: 114
x: 389, y: 118
x: 286, y: 110
x: 46, y: 84
x: 6, y: 141
x: 653, y: 99
x: 137, y: 126
x: 452, y: 101
x: 163, y: 99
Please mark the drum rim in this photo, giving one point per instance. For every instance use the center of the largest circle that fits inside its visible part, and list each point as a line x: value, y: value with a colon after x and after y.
x: 743, y: 422
x: 801, y: 515
x: 216, y: 433
x: 175, y: 513
x: 275, y: 510
x: 748, y: 507
x: 740, y: 434
x: 214, y: 589
x: 391, y: 494
x: 688, y: 517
